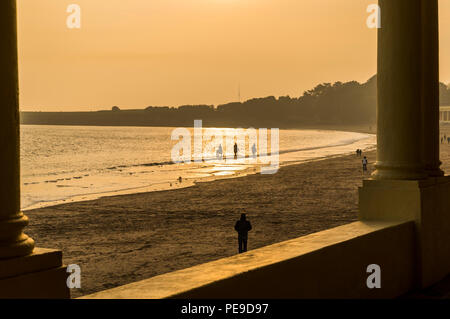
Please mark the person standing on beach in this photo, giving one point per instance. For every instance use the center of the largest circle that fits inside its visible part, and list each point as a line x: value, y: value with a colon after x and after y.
x: 219, y: 152
x: 243, y: 226
x: 235, y: 150
x: 364, y: 162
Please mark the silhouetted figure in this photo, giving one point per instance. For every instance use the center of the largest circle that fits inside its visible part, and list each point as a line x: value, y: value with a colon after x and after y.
x: 219, y: 152
x: 236, y: 150
x: 357, y: 152
x: 254, y: 150
x: 364, y: 163
x: 243, y: 226
x: 180, y: 179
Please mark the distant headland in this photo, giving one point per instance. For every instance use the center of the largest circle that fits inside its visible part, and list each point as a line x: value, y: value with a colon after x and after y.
x: 339, y: 104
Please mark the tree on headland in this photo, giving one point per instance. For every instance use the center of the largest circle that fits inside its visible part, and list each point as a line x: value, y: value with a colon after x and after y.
x: 115, y: 108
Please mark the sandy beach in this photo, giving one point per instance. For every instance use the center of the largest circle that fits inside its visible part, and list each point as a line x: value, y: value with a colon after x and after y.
x: 122, y: 239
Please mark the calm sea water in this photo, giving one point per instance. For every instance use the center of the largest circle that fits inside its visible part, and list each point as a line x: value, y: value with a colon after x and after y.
x: 71, y: 163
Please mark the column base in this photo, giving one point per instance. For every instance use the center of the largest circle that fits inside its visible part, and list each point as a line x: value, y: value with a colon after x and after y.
x: 13, y: 242
x: 39, y: 275
x: 388, y: 171
x: 427, y: 203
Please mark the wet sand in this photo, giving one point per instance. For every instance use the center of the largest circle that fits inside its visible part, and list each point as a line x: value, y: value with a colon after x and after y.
x: 122, y: 239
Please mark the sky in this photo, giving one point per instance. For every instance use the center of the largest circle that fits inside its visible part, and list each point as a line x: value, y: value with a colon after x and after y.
x: 137, y: 53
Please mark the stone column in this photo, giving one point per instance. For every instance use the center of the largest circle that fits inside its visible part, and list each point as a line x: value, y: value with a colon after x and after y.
x: 13, y: 242
x: 399, y: 111
x: 430, y: 87
x: 408, y: 132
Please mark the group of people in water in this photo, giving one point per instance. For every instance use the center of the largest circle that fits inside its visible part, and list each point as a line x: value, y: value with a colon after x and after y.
x: 219, y: 151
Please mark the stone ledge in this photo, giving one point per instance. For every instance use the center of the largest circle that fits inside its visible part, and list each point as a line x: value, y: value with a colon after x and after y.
x: 328, y: 264
x: 41, y: 259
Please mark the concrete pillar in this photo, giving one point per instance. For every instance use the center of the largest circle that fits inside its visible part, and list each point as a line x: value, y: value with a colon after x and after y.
x: 13, y: 242
x: 400, y: 68
x: 430, y: 87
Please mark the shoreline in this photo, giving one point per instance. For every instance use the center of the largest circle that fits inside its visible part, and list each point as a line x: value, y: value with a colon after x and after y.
x: 189, y: 181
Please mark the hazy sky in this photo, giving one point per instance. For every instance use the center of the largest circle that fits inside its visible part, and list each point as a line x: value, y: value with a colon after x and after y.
x: 135, y: 53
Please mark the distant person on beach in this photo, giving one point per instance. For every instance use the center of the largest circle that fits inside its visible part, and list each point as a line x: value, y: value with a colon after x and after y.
x: 254, y: 150
x: 364, y: 163
x: 243, y: 226
x: 219, y: 152
x: 180, y: 179
x: 235, y: 150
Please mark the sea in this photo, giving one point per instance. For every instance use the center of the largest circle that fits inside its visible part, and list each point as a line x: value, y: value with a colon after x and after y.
x: 63, y: 164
